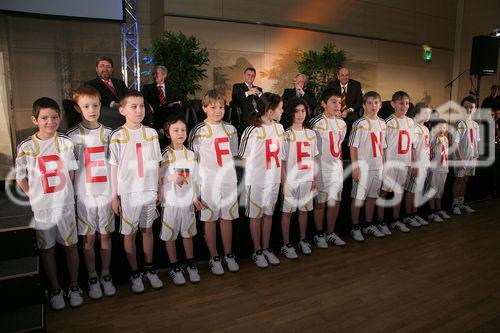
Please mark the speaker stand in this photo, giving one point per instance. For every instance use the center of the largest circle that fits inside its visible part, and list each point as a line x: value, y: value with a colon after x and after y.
x: 450, y: 84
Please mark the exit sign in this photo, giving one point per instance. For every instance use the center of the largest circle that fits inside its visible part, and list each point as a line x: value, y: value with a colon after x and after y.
x: 427, y: 53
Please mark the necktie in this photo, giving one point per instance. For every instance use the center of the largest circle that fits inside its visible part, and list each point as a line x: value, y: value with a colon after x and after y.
x: 343, y: 99
x: 110, y: 87
x: 161, y: 94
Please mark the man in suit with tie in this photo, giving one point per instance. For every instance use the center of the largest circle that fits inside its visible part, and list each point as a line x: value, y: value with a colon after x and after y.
x: 111, y: 90
x: 245, y: 96
x: 299, y: 91
x: 351, y: 101
x: 160, y: 98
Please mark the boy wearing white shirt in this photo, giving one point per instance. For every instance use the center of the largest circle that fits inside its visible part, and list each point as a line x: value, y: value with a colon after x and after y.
x: 134, y: 157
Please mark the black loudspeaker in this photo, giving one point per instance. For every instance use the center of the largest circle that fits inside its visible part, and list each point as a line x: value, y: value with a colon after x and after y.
x: 484, y: 55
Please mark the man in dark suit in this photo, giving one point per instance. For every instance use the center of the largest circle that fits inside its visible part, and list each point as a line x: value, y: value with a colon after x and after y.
x: 111, y: 91
x: 351, y: 100
x: 160, y: 98
x: 352, y: 96
x: 245, y: 96
x: 299, y: 91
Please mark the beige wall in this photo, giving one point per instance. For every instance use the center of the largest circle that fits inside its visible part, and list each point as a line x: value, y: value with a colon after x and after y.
x: 386, y: 54
x: 382, y: 38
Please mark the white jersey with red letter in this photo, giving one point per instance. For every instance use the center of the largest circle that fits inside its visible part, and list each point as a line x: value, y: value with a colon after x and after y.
x: 468, y: 138
x: 421, y: 144
x: 137, y: 154
x: 46, y: 165
x: 91, y: 149
x: 261, y: 147
x: 330, y: 133
x: 368, y: 136
x: 215, y: 146
x: 398, y: 138
x: 299, y: 150
x: 181, y: 163
x: 439, y: 154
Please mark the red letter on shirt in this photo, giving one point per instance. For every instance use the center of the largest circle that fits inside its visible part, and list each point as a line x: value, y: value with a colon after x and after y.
x: 332, y: 144
x: 402, y: 150
x: 376, y: 142
x: 471, y: 134
x: 301, y: 154
x: 140, y: 163
x: 444, y: 156
x: 89, y: 164
x: 46, y: 174
x: 272, y: 153
x: 218, y: 151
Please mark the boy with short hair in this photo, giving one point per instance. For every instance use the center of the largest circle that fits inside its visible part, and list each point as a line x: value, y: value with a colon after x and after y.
x: 399, y: 158
x: 330, y: 130
x: 134, y: 158
x: 93, y: 195
x: 366, y: 144
x: 45, y: 165
x: 466, y: 154
x: 215, y: 143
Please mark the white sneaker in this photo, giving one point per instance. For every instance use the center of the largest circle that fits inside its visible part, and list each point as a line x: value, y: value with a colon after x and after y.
x: 75, y: 296
x: 305, y: 247
x: 57, y: 300
x: 411, y: 221
x: 136, y: 283
x: 260, y: 260
x: 107, y: 285
x: 443, y: 215
x: 177, y: 276
x: 95, y: 291
x: 435, y: 218
x: 332, y: 238
x: 194, y: 275
x: 467, y: 209
x: 420, y: 220
x: 271, y: 257
x: 215, y: 265
x: 231, y: 263
x: 372, y: 230
x: 382, y: 227
x: 289, y: 251
x: 399, y: 226
x: 152, y: 277
x: 320, y: 241
x: 356, y: 234
x: 456, y: 210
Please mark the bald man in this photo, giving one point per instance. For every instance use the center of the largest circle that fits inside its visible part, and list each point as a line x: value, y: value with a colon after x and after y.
x: 352, y: 100
x: 300, y: 91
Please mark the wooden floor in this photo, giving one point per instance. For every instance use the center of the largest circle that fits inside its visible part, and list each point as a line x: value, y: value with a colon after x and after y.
x: 443, y: 278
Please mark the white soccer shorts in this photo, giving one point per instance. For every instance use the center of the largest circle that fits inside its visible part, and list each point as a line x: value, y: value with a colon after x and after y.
x: 55, y: 224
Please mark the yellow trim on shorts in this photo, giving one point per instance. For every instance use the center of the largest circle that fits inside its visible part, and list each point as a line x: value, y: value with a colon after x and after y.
x: 86, y: 224
x: 261, y: 210
x: 72, y: 230
x: 233, y: 216
x: 172, y: 231
x: 134, y: 229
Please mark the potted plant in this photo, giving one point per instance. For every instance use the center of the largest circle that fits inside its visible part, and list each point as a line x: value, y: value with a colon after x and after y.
x: 321, y: 67
x: 185, y: 60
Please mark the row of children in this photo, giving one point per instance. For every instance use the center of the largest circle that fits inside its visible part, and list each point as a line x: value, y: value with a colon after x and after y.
x: 124, y: 172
